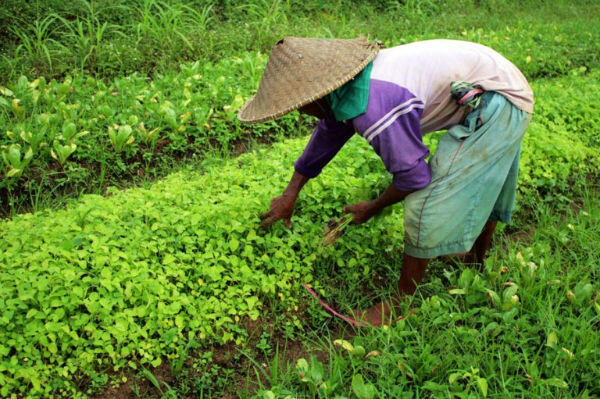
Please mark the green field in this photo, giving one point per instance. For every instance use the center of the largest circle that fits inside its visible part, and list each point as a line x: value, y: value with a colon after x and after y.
x: 131, y: 261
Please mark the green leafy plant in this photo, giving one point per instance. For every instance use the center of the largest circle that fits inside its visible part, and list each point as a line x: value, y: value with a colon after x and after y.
x: 361, y: 389
x: 36, y: 139
x: 473, y: 378
x: 15, y: 159
x: 120, y: 136
x: 61, y: 152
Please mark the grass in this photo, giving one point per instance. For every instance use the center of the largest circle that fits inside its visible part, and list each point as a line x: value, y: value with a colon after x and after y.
x: 109, y: 39
x: 543, y: 342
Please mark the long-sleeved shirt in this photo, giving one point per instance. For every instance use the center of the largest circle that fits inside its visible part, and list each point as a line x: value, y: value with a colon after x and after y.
x: 409, y: 95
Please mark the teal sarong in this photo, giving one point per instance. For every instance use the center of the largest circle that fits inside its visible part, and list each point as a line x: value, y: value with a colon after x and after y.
x: 474, y: 179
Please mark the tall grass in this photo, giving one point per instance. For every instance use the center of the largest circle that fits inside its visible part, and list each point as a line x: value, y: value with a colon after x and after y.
x: 120, y: 37
x: 104, y: 39
x: 265, y: 16
x: 88, y: 35
x: 176, y: 27
x: 36, y: 43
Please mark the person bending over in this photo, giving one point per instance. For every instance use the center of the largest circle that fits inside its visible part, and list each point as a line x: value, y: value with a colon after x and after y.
x: 391, y: 97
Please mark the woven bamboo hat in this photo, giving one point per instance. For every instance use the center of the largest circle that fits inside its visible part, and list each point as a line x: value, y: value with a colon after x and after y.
x: 301, y: 70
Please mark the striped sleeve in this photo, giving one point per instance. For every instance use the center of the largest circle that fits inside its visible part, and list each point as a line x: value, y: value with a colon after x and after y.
x: 392, y: 126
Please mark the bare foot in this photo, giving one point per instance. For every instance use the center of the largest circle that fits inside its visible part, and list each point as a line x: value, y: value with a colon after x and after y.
x: 376, y: 315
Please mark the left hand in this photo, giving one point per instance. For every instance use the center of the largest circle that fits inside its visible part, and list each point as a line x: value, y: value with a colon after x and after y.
x: 282, y: 207
x: 362, y: 211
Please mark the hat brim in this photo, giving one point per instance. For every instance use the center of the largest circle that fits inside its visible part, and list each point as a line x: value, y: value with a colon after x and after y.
x: 279, y: 95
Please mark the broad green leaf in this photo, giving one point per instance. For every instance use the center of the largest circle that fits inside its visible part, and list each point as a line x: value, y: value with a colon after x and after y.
x: 452, y: 378
x: 552, y: 339
x: 434, y: 386
x: 344, y: 344
x: 358, y: 351
x: 483, y: 386
x: 362, y: 390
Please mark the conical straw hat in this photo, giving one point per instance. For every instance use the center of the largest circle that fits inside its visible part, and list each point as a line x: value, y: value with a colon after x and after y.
x: 301, y: 70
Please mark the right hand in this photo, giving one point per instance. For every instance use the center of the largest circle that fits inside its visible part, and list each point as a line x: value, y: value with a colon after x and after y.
x: 282, y: 207
x: 362, y: 211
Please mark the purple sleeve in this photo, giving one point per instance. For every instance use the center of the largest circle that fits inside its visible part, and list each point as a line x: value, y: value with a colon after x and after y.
x: 327, y: 139
x: 403, y: 153
x: 392, y: 126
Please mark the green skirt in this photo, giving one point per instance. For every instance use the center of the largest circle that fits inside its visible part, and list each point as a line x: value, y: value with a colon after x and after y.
x: 474, y: 179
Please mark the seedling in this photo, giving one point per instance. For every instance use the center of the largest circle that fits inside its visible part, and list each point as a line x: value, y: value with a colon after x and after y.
x: 15, y: 160
x: 335, y: 228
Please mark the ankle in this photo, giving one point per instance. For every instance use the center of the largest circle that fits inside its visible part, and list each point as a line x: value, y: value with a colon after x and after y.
x: 407, y: 288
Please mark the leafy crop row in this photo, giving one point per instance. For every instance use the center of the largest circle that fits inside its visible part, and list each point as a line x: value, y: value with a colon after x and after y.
x: 127, y: 280
x: 563, y: 136
x: 81, y: 132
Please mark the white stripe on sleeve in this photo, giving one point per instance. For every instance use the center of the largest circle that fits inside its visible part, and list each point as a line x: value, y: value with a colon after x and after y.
x: 382, y: 119
x: 392, y: 119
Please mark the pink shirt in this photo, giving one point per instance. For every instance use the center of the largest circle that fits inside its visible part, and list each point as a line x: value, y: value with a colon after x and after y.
x: 409, y: 95
x: 427, y: 68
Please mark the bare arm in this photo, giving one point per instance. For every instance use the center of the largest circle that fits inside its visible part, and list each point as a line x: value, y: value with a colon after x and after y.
x: 282, y: 207
x: 327, y: 139
x: 365, y: 210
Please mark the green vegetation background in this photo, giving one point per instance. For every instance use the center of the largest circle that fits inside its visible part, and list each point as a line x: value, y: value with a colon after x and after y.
x: 153, y: 280
x: 120, y: 37
x: 109, y: 93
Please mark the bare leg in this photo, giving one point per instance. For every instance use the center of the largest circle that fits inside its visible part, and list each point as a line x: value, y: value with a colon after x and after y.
x: 484, y: 241
x: 413, y: 270
x: 482, y: 244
